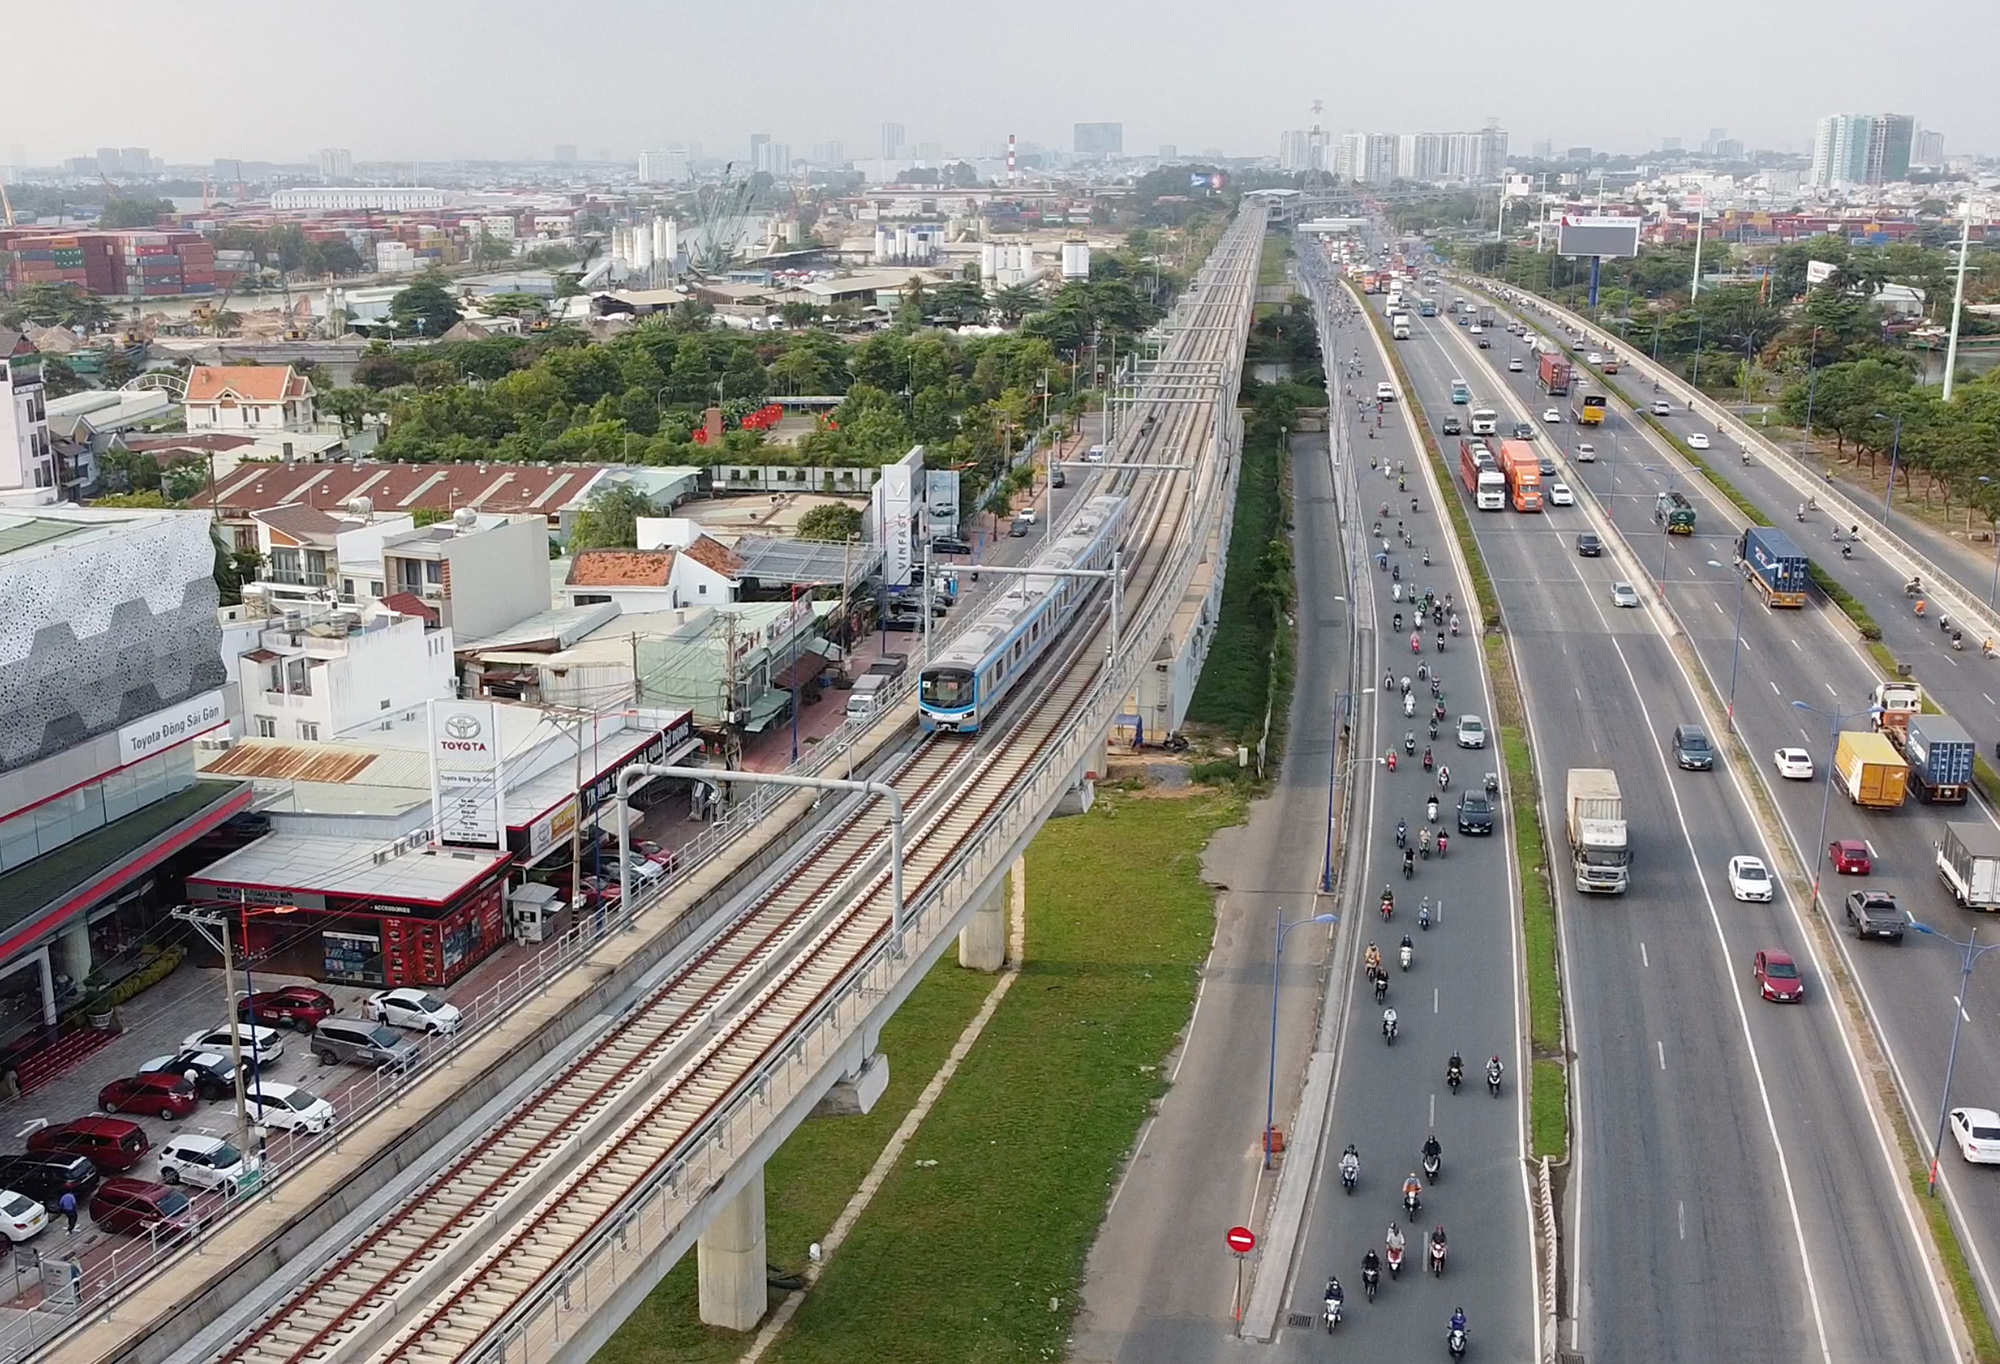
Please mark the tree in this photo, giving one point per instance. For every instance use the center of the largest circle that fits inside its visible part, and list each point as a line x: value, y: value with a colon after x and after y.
x: 610, y: 519
x: 1015, y: 302
x: 489, y: 249
x: 349, y: 405
x: 60, y: 305
x: 831, y: 521
x: 128, y: 471
x: 511, y: 305
x: 424, y: 309
x: 155, y: 499
x: 963, y: 301
x: 386, y: 370
x: 183, y: 479
x: 59, y: 378
x: 799, y: 313
x: 916, y: 298
x: 120, y: 213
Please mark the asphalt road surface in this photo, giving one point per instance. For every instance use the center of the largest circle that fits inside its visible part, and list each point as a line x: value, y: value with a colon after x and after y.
x: 1461, y: 993
x: 1732, y: 1197
x: 1812, y: 655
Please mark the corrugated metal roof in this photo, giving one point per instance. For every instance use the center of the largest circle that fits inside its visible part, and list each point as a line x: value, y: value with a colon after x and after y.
x: 276, y: 760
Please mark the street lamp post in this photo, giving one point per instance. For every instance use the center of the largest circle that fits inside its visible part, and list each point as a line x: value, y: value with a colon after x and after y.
x: 1971, y: 958
x: 1345, y: 701
x: 1666, y: 536
x: 1895, y: 449
x: 1736, y: 649
x: 1277, y: 955
x: 1812, y: 383
x: 1834, y: 720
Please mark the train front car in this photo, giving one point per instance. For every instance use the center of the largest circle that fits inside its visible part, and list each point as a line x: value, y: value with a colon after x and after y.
x: 964, y: 684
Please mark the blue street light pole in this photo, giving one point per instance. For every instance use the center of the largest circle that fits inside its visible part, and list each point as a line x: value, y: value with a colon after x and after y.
x: 1834, y: 720
x: 1971, y: 958
x: 1895, y: 448
x: 1736, y: 649
x: 1278, y: 955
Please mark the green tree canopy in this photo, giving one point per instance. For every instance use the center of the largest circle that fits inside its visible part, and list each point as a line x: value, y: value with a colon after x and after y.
x: 424, y: 309
x: 832, y: 521
x: 610, y: 520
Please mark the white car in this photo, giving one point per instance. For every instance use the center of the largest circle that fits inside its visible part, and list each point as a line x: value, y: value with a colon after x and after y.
x: 1514, y: 365
x: 287, y: 1108
x: 408, y: 1007
x: 1385, y: 392
x: 1594, y: 358
x: 262, y: 1044
x: 1560, y: 495
x: 1471, y: 732
x: 203, y: 1161
x: 1977, y: 1132
x: 645, y: 870
x: 1622, y: 594
x: 21, y: 1217
x: 1662, y: 408
x: 1794, y: 764
x: 1697, y: 440
x: 1585, y: 453
x: 1094, y: 455
x: 1552, y: 415
x: 1748, y: 879
x: 1025, y: 516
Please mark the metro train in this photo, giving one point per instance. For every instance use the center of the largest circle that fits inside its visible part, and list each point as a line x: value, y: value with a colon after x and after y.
x: 963, y: 685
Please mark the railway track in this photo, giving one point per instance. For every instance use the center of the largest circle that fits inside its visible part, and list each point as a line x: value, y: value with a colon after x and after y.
x: 428, y: 1281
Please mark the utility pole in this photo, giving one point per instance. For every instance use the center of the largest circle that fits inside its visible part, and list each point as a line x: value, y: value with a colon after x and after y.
x: 1700, y: 222
x: 215, y: 929
x: 1957, y: 298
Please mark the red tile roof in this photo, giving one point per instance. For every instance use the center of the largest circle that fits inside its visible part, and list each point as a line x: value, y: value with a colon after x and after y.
x: 304, y: 523
x: 247, y: 383
x: 410, y: 604
x: 621, y: 568
x: 712, y: 554
x: 500, y: 488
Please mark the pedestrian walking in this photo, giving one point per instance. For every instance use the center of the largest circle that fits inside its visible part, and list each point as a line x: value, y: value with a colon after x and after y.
x: 66, y: 1205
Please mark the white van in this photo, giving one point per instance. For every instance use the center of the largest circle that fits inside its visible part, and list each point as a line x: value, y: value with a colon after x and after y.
x: 862, y: 702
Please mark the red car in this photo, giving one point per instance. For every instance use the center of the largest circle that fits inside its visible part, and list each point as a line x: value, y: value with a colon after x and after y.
x: 1850, y: 857
x: 113, y: 1145
x: 1778, y: 978
x: 301, y: 1006
x: 162, y: 1092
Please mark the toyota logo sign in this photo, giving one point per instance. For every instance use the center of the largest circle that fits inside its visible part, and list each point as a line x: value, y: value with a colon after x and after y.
x: 461, y: 727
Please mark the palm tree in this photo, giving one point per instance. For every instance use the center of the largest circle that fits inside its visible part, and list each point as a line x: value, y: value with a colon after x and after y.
x: 1015, y: 302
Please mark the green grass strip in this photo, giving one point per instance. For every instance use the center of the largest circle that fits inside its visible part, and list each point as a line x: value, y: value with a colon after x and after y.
x: 980, y: 1255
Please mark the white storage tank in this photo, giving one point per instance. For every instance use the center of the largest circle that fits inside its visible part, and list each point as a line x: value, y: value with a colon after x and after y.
x: 1076, y: 260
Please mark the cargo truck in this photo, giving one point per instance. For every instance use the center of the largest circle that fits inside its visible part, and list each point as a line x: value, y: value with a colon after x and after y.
x: 1776, y: 565
x: 1674, y: 513
x: 1895, y: 703
x: 1968, y: 859
x: 1523, y: 470
x: 1599, y: 854
x: 1400, y: 328
x: 1480, y: 473
x: 1553, y: 372
x: 1870, y: 770
x: 1485, y: 421
x: 1940, y: 757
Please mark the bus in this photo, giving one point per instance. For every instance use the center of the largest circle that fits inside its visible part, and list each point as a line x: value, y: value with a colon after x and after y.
x: 1588, y: 410
x: 1485, y: 421
x: 1460, y: 394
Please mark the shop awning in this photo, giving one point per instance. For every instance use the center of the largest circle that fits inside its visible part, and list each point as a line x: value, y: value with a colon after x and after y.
x: 765, y: 709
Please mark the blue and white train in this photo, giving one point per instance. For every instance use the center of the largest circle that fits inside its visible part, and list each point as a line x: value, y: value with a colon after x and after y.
x: 963, y: 685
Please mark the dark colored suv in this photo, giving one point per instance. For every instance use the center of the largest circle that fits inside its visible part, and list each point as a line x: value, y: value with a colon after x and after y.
x: 1691, y: 748
x: 47, y: 1178
x: 113, y: 1145
x: 1875, y: 914
x: 1475, y: 813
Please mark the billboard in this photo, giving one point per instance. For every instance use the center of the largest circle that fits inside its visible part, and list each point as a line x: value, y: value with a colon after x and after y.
x: 465, y: 773
x: 1591, y: 236
x: 1819, y: 271
x: 893, y: 514
x: 941, y: 502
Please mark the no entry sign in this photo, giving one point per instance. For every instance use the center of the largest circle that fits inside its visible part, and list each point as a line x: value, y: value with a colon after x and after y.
x: 1241, y: 1240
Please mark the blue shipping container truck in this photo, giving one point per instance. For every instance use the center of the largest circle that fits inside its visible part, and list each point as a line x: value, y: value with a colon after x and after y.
x: 1940, y: 755
x: 1776, y: 565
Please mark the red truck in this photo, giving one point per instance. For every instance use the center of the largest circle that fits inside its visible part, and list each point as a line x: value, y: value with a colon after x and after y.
x: 1553, y: 371
x: 1523, y: 468
x: 1481, y: 475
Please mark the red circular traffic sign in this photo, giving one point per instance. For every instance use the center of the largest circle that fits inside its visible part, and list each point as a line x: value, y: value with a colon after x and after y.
x: 1241, y: 1240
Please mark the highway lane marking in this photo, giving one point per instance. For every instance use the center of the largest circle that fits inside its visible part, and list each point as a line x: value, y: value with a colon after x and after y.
x: 1434, y: 999
x: 1684, y: 1220
x: 1831, y: 692
x: 1663, y: 1054
x: 1796, y: 645
x: 1774, y: 690
x: 1989, y: 700
x: 1961, y: 1008
x: 1645, y: 960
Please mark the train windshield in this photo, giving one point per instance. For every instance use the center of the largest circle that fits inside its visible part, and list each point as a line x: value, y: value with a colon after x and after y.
x: 947, y: 688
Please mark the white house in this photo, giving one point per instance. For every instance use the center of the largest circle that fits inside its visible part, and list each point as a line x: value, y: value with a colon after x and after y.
x: 248, y: 398
x: 318, y: 672
x: 700, y: 572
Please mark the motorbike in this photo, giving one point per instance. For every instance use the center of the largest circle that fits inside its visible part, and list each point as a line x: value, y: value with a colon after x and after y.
x: 1912, y: 587
x: 1413, y: 1202
x: 1432, y: 1165
x: 1409, y: 870
x: 1434, y: 729
x: 1428, y: 764
x: 1440, y: 844
x: 1394, y: 1256
x: 1410, y: 742
x: 1493, y: 1081
x: 1427, y: 558
x: 1440, y: 641
x: 1392, y: 760
x: 1350, y: 1174
x: 1397, y: 622
x: 1454, y: 1341
x: 1416, y: 643
x: 1454, y: 627
x: 1381, y: 989
x: 1370, y: 1278
x: 1388, y: 904
x: 1409, y: 952
x: 1454, y: 1077
x: 1437, y: 690
x: 1331, y: 1314
x: 1389, y: 1026
x: 1409, y: 705
x: 1492, y: 783
x: 1424, y: 844
x: 1437, y: 1259
x: 1395, y: 572
x: 1431, y: 809
x: 1444, y: 778
x: 1424, y: 916
x: 1402, y: 834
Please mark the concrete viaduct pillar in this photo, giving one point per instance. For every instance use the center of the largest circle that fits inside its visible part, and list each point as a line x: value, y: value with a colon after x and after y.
x: 730, y: 1261
x: 982, y: 943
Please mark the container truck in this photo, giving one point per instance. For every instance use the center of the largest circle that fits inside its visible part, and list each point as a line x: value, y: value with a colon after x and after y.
x: 1553, y: 372
x: 1775, y: 564
x: 1523, y: 470
x: 1895, y: 703
x: 1481, y: 475
x: 1599, y: 854
x: 1940, y: 757
x: 1870, y: 770
x: 1968, y: 858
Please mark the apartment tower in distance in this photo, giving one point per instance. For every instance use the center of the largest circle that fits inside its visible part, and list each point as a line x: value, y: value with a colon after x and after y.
x: 1862, y: 149
x: 1100, y: 139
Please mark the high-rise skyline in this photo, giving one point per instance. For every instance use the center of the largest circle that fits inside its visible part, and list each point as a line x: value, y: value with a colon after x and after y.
x: 1099, y: 139
x: 892, y: 141
x: 1862, y: 149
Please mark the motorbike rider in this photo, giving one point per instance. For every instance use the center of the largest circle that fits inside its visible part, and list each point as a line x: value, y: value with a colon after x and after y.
x: 1431, y: 809
x: 1458, y: 1318
x: 1494, y: 1070
x: 1440, y: 842
x: 1444, y: 778
x: 1424, y: 841
x: 1371, y: 1264
x: 1392, y: 1242
x: 1428, y: 763
x: 1389, y: 1023
x: 1409, y: 949
x: 1372, y: 959
x: 1454, y: 1069
x: 1409, y: 861
x: 1438, y: 1243
x: 1402, y: 833
x: 1432, y: 1151
x: 1350, y: 1162
x: 1334, y: 1294
x: 1413, y: 1188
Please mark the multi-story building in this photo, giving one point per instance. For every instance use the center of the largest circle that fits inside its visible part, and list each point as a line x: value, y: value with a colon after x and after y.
x: 325, y: 672
x: 1928, y: 149
x: 892, y: 141
x: 1862, y: 149
x: 109, y: 670
x: 669, y: 167
x: 473, y: 575
x: 1100, y: 139
x: 28, y: 473
x: 1420, y: 156
x: 1169, y: 152
x: 336, y: 165
x: 248, y: 398
x: 1300, y: 150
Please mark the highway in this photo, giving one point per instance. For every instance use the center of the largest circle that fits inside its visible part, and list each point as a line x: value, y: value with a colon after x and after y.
x: 1911, y: 991
x: 1462, y: 992
x: 1731, y: 1196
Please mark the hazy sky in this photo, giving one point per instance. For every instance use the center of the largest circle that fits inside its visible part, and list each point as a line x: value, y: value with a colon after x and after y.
x: 432, y: 79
